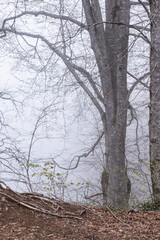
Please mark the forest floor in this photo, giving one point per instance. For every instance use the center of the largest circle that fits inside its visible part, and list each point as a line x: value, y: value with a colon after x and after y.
x: 33, y: 216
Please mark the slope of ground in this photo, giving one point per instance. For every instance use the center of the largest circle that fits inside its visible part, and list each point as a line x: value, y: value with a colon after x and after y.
x: 31, y: 216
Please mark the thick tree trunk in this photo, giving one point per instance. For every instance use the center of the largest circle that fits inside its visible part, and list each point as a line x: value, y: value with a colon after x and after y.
x: 154, y: 123
x: 118, y: 190
x: 110, y: 46
x: 115, y: 183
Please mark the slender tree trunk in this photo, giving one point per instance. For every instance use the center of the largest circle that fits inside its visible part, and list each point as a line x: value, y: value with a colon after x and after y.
x: 154, y: 123
x: 110, y: 46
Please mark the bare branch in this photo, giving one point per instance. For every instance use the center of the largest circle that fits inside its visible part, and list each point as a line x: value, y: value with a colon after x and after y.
x: 46, y: 14
x: 84, y: 155
x: 139, y: 28
x: 67, y: 18
x: 145, y: 7
x: 132, y: 3
x: 141, y: 36
x: 91, y: 81
x: 132, y: 112
x: 138, y: 80
x: 64, y: 59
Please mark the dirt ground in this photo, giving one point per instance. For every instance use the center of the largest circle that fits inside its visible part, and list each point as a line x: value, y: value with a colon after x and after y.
x: 32, y: 216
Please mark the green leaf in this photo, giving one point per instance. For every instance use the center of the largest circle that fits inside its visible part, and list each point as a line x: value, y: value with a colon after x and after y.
x: 34, y: 174
x: 58, y: 174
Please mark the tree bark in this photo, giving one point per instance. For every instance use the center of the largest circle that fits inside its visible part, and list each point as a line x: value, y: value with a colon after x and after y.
x: 154, y: 123
x: 109, y: 42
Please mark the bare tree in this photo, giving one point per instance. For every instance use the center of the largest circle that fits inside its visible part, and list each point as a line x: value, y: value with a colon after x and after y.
x: 110, y: 46
x: 109, y: 42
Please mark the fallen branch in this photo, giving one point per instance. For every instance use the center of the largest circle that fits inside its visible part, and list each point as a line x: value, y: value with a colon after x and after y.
x: 44, y: 211
x: 43, y: 198
x: 116, y: 217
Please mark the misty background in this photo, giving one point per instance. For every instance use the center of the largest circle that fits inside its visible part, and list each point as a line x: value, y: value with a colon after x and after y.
x: 47, y: 121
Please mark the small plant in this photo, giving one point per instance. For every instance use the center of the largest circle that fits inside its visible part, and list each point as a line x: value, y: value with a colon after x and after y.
x: 56, y: 183
x: 150, y: 205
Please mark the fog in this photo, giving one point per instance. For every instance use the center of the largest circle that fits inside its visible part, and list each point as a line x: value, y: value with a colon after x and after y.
x: 51, y: 123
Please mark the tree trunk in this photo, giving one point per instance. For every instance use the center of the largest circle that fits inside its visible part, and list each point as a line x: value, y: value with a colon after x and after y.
x: 115, y: 183
x: 154, y: 123
x: 110, y: 46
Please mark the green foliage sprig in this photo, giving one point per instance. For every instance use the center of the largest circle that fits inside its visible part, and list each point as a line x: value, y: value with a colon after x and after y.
x: 150, y: 205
